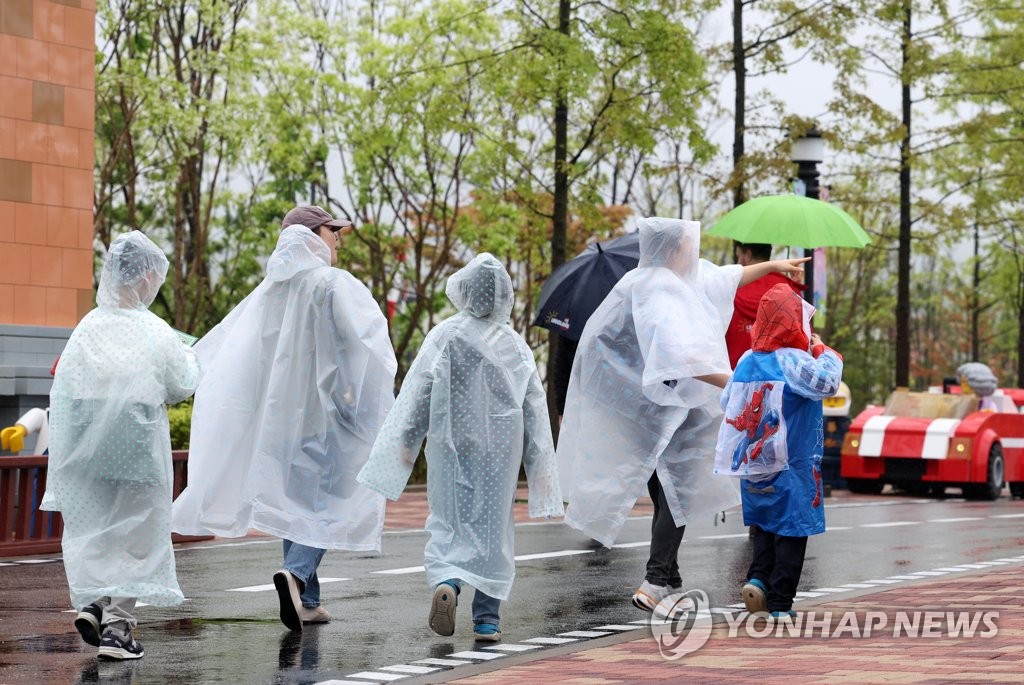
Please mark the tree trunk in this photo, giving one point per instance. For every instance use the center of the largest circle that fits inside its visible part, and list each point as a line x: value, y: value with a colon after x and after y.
x: 976, y: 299
x: 903, y: 265
x: 739, y: 69
x: 560, y: 218
x: 1020, y: 328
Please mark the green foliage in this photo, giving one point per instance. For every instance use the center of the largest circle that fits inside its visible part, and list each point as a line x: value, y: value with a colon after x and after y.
x: 180, y: 418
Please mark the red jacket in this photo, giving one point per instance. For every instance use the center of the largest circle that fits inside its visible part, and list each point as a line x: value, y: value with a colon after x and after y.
x: 737, y: 336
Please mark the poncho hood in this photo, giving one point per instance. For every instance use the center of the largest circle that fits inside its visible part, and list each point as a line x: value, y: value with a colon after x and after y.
x: 482, y: 289
x: 670, y: 243
x: 133, y: 272
x: 298, y: 249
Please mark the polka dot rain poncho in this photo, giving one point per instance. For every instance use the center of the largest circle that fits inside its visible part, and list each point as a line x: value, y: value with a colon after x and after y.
x: 110, y: 449
x: 475, y: 395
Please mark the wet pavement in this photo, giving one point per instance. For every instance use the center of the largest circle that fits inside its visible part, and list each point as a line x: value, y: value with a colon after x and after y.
x: 228, y: 630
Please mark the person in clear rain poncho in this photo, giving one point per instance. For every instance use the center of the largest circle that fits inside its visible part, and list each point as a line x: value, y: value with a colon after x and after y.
x: 642, y: 409
x: 474, y: 393
x: 297, y: 381
x: 772, y: 438
x: 110, y: 471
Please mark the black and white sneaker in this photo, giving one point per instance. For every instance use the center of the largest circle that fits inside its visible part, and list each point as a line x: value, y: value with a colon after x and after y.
x: 88, y: 624
x: 119, y: 646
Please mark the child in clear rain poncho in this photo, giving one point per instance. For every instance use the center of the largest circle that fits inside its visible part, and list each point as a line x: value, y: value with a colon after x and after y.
x: 772, y: 437
x: 110, y: 450
x: 642, y: 411
x: 475, y: 394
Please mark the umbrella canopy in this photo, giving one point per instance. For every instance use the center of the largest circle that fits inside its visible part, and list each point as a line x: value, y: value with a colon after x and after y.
x: 792, y: 220
x: 575, y: 289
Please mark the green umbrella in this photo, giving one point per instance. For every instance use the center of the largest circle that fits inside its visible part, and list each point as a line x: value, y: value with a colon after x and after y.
x: 791, y: 220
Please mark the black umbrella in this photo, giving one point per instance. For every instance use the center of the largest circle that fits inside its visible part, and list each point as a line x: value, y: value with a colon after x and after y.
x: 575, y: 289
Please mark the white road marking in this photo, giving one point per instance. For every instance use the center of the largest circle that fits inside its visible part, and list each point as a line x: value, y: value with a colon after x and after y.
x: 585, y: 633
x: 723, y: 537
x: 341, y: 682
x: 930, y: 573
x: 552, y: 555
x: 889, y: 524
x: 955, y: 520
x: 624, y: 545
x: 265, y: 588
x: 616, y: 626
x: 1006, y: 516
x: 374, y: 675
x: 443, y: 662
x: 484, y: 656
x: 552, y: 640
x: 832, y: 528
x: 885, y: 581
x: 35, y: 561
x: 828, y: 590
x: 406, y: 668
x: 513, y: 648
x: 809, y: 595
x: 858, y: 586
x: 400, y: 571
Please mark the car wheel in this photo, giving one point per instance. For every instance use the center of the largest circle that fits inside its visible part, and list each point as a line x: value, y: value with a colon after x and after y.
x: 993, y: 487
x: 863, y: 486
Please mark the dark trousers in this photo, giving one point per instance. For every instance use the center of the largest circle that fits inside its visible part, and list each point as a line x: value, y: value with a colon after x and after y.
x: 778, y: 562
x: 663, y: 564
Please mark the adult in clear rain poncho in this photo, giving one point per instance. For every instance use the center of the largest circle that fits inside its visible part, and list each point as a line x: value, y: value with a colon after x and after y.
x: 110, y: 449
x: 297, y: 381
x: 642, y: 408
x: 474, y: 393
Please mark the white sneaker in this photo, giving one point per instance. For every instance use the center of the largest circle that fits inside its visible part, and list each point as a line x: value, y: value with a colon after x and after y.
x: 648, y: 595
x: 661, y: 600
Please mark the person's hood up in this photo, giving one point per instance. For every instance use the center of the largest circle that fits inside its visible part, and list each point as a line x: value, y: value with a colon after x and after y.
x: 133, y: 272
x: 671, y: 243
x: 783, y: 320
x: 298, y: 249
x: 482, y: 289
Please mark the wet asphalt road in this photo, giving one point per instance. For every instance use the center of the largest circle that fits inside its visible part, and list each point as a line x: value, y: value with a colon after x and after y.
x: 224, y: 635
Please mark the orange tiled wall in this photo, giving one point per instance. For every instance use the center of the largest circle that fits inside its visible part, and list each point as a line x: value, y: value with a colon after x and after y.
x: 47, y: 108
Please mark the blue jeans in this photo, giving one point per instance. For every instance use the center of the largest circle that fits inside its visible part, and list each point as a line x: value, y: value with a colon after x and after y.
x: 485, y: 607
x: 302, y: 561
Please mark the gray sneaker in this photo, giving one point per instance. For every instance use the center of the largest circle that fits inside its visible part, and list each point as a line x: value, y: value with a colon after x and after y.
x: 119, y: 646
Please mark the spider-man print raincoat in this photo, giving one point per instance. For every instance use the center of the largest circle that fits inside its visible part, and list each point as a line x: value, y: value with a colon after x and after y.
x: 772, y: 432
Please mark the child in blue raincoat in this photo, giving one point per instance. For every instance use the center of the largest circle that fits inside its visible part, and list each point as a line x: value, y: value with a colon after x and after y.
x: 772, y: 438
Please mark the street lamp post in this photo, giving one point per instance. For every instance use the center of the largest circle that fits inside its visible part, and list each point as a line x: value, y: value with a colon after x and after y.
x: 808, y: 151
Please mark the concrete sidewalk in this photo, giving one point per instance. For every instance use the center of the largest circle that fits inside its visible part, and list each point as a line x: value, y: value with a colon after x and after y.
x: 878, y: 658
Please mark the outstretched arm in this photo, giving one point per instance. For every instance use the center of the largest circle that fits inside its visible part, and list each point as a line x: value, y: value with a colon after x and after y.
x: 786, y: 266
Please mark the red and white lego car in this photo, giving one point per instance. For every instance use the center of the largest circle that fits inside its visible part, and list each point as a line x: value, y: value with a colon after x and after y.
x: 923, y: 442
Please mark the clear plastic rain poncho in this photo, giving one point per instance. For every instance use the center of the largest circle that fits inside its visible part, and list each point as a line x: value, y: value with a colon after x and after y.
x: 110, y: 449
x: 634, y: 405
x: 297, y: 381
x: 475, y: 394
